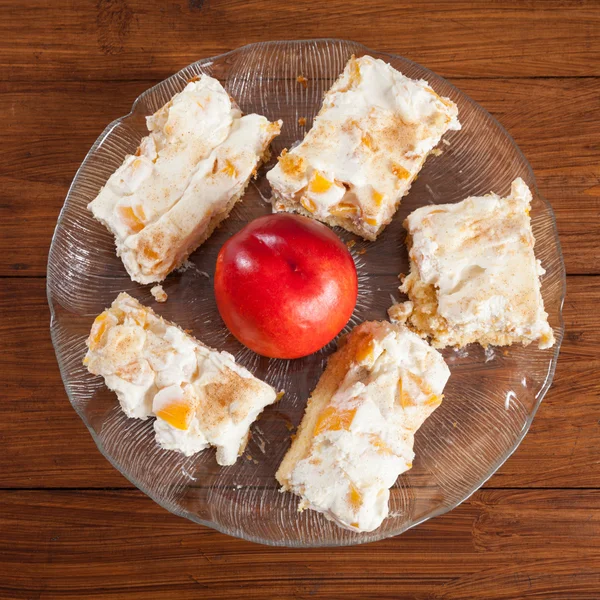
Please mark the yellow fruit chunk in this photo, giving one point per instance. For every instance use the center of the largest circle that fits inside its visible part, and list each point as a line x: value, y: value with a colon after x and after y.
x: 377, y: 197
x: 380, y: 445
x: 332, y: 419
x: 133, y: 217
x: 367, y: 141
x: 421, y: 384
x: 354, y: 497
x: 179, y: 414
x: 308, y: 204
x: 98, y: 329
x: 319, y: 184
x: 365, y: 350
x: 344, y: 209
x: 405, y: 399
x: 149, y: 253
x: 118, y: 313
x: 354, y: 73
x: 433, y: 400
x: 371, y: 221
x: 229, y: 169
x: 400, y: 172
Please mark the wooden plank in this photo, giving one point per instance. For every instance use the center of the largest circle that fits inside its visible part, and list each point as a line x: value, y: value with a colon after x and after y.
x: 36, y: 418
x: 66, y: 70
x: 553, y: 121
x: 117, y: 544
x: 40, y: 161
x: 42, y: 433
x: 120, y: 39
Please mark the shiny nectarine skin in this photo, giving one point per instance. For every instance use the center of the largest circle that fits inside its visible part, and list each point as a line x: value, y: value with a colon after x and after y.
x: 285, y: 285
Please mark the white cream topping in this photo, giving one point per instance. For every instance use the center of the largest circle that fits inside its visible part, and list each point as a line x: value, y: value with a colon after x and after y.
x: 479, y: 255
x: 368, y: 142
x: 199, y: 156
x: 350, y: 468
x: 188, y: 441
x: 200, y: 397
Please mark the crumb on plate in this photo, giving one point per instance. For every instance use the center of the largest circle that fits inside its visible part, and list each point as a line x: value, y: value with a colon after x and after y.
x: 159, y: 294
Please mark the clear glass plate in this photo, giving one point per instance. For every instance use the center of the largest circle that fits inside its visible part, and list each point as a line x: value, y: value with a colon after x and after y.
x: 491, y: 397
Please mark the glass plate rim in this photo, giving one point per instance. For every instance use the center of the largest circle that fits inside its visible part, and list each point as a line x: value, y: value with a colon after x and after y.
x: 217, y: 526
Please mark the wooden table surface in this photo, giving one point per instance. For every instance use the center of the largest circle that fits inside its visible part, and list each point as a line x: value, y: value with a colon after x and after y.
x: 71, y: 526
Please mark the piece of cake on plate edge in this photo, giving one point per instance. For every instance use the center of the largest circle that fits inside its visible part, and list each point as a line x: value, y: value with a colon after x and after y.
x: 357, y: 433
x: 199, y: 396
x: 473, y: 274
x: 185, y: 178
x: 369, y: 141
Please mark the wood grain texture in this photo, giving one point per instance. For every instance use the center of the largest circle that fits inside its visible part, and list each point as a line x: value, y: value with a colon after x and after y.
x: 36, y: 417
x: 554, y: 121
x: 66, y: 541
x: 67, y: 69
x: 121, y: 39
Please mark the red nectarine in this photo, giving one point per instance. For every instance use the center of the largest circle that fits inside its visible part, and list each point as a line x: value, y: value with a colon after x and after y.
x: 285, y: 285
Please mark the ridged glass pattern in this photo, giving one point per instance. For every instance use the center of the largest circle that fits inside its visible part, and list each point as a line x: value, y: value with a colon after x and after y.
x: 491, y: 397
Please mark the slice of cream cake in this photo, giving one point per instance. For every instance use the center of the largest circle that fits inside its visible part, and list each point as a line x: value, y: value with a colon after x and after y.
x: 357, y: 434
x: 366, y: 146
x: 188, y: 173
x: 473, y: 275
x: 199, y: 396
